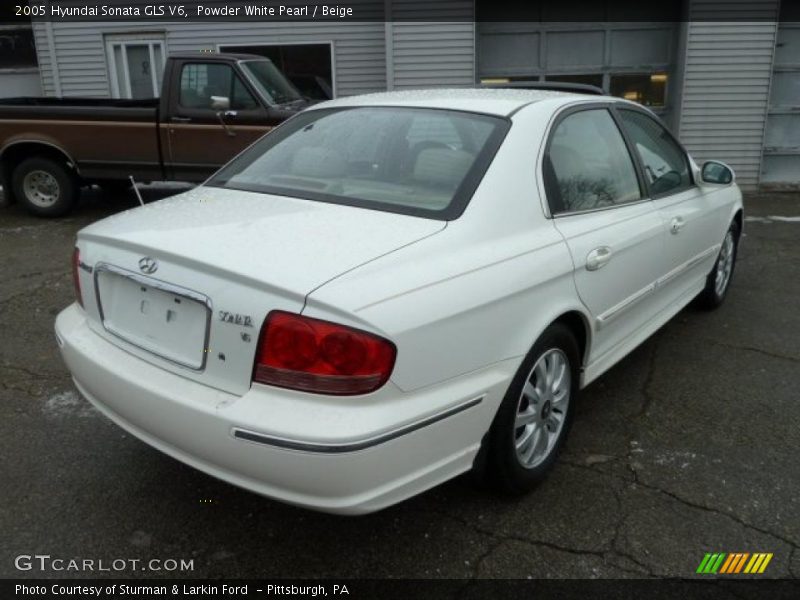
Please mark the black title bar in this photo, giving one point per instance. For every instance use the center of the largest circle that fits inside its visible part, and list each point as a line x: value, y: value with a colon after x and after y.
x: 544, y: 11
x: 609, y: 589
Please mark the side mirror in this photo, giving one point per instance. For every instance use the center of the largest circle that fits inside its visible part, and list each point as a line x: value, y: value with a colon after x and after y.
x: 220, y: 103
x: 716, y: 173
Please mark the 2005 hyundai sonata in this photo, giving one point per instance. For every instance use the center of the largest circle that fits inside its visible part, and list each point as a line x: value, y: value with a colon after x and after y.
x: 390, y: 290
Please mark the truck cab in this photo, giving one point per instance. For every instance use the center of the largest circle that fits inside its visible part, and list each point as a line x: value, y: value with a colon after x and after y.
x: 217, y: 105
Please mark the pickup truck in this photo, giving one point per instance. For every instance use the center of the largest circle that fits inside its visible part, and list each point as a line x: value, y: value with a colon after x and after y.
x: 211, y: 107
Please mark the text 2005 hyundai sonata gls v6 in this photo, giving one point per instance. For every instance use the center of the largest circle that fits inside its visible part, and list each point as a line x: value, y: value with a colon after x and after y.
x: 391, y: 290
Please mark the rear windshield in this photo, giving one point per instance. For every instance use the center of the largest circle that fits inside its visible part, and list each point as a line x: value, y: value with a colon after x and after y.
x: 415, y: 161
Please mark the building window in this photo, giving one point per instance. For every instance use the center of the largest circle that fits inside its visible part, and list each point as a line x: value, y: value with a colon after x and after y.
x: 136, y: 66
x: 17, y: 49
x: 595, y: 79
x: 649, y: 89
x: 308, y: 66
x: 646, y: 89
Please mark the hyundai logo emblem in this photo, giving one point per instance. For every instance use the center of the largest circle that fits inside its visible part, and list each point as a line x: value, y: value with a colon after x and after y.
x: 148, y: 265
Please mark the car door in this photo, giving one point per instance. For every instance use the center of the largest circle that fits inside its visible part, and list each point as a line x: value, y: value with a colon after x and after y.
x: 202, y: 138
x: 694, y: 218
x: 598, y: 202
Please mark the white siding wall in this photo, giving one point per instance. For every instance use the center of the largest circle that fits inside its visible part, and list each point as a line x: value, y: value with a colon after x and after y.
x: 418, y: 54
x: 431, y: 54
x: 359, y: 49
x: 727, y: 74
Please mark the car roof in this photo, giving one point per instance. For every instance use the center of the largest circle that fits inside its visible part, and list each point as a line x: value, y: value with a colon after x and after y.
x: 494, y: 101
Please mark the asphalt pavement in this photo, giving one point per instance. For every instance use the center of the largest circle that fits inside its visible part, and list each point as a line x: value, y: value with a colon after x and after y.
x: 688, y: 446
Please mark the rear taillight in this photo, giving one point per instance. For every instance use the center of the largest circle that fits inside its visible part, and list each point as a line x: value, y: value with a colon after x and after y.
x: 311, y: 355
x: 76, y: 277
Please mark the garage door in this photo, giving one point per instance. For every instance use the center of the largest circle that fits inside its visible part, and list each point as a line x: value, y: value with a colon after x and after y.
x: 780, y: 166
x: 631, y: 60
x: 308, y: 66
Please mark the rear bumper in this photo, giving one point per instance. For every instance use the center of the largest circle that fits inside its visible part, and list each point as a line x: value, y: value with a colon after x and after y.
x: 349, y: 456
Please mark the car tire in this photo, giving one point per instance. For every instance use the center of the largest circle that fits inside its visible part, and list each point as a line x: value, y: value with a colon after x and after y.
x: 719, y: 279
x: 45, y: 187
x: 534, y: 417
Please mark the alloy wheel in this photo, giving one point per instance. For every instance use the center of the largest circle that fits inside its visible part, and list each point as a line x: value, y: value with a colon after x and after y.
x: 542, y: 408
x: 724, y: 265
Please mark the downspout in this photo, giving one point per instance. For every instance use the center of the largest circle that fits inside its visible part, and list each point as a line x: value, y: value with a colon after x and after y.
x: 388, y: 42
x: 769, y: 95
x: 51, y: 48
x: 474, y: 42
x: 681, y: 60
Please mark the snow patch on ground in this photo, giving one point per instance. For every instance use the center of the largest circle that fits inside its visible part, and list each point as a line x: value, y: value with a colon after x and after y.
x: 677, y: 459
x: 771, y: 219
x: 20, y: 229
x: 68, y: 404
x: 785, y: 219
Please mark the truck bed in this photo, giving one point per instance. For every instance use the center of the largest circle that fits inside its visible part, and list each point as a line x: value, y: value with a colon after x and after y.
x: 101, y: 109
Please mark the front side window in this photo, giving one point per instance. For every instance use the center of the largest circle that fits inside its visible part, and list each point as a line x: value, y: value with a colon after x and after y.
x: 408, y: 160
x: 588, y: 165
x: 665, y: 165
x: 201, y: 81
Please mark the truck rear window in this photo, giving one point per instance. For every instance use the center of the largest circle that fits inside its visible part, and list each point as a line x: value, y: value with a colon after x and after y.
x: 416, y: 161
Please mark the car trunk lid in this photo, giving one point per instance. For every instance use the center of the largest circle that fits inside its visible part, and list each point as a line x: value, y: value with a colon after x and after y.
x: 185, y: 283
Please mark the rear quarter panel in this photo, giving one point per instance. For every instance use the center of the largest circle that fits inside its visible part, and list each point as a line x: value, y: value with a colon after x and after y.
x: 453, y: 304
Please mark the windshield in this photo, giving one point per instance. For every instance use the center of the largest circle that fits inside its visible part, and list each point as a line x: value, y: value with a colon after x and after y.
x: 415, y: 161
x: 271, y: 83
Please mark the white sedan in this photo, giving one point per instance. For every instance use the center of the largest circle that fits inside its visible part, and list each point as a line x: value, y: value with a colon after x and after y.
x: 390, y: 290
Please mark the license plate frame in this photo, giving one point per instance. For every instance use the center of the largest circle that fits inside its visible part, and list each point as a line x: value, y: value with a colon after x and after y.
x: 160, y: 287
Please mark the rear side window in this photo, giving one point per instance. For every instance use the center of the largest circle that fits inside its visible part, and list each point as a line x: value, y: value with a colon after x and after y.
x: 588, y: 165
x: 199, y: 82
x: 665, y: 164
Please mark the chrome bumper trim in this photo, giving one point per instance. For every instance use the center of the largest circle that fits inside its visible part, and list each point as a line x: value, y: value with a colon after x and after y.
x: 269, y: 440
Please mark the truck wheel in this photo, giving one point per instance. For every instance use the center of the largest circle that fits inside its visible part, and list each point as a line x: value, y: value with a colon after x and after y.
x: 45, y: 187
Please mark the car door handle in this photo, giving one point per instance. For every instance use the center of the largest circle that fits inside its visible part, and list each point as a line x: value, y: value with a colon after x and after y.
x: 598, y: 258
x: 676, y: 225
x: 180, y: 119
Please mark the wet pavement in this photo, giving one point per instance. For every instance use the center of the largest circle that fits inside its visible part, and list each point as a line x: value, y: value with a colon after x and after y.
x: 688, y: 446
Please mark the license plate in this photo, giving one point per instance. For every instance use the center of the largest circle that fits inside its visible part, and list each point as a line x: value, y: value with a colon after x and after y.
x: 160, y: 318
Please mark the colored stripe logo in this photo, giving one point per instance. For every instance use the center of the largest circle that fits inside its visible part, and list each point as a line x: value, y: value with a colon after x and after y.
x: 734, y: 563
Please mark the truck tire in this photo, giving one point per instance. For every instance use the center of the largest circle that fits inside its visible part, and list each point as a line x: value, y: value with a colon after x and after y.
x: 45, y: 187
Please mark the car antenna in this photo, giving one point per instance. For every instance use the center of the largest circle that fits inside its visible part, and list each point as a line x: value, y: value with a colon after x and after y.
x: 136, y: 189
